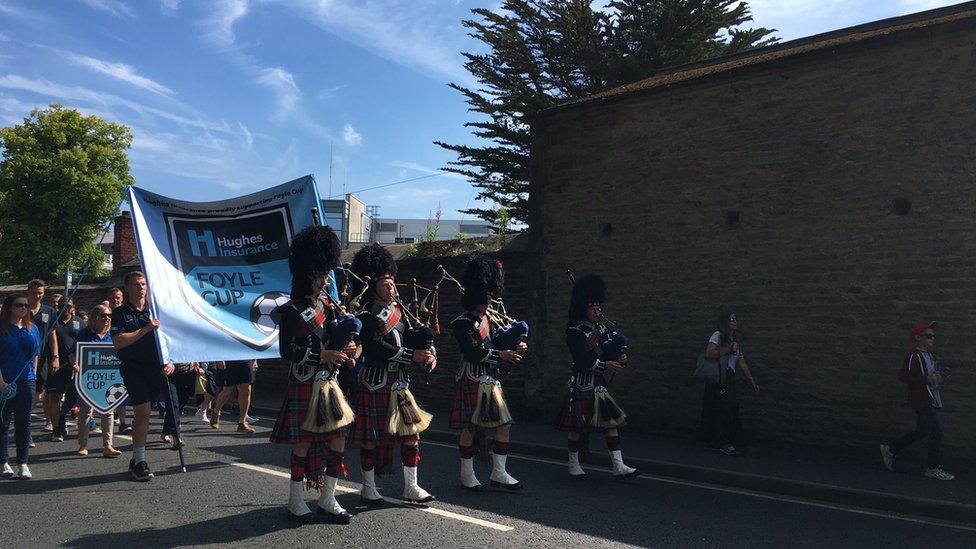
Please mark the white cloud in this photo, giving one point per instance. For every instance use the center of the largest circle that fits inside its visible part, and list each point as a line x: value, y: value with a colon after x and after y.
x: 287, y: 94
x: 413, y: 33
x: 78, y: 93
x: 248, y: 138
x: 112, y: 7
x: 220, y: 27
x: 350, y: 136
x: 170, y: 6
x: 120, y: 71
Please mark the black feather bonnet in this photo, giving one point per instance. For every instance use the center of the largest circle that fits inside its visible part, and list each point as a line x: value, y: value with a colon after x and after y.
x: 374, y: 261
x: 314, y: 252
x: 483, y: 279
x: 588, y: 290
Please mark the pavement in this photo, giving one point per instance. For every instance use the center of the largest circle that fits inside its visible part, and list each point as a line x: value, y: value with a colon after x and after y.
x: 236, y: 486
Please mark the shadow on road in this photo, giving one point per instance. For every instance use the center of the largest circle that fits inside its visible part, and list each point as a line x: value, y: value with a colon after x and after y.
x: 235, y: 528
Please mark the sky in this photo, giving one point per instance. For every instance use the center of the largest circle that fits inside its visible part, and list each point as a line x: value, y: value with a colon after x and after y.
x: 225, y: 97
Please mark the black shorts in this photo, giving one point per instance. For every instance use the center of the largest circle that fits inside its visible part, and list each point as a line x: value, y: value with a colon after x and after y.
x: 60, y: 381
x: 142, y: 381
x: 237, y: 372
x: 41, y: 378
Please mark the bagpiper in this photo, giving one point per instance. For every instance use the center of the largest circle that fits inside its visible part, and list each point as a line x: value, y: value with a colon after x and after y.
x: 479, y: 402
x: 596, y: 350
x: 384, y: 407
x: 314, y: 414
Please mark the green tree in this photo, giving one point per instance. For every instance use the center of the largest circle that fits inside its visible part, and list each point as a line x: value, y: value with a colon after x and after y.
x: 61, y: 179
x: 544, y: 52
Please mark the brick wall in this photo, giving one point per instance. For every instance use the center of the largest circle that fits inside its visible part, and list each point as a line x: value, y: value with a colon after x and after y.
x: 124, y: 245
x: 825, y: 277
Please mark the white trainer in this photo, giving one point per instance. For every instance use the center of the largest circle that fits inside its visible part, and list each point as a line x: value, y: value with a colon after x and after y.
x: 938, y: 474
x: 7, y: 471
x: 202, y: 417
x: 24, y: 473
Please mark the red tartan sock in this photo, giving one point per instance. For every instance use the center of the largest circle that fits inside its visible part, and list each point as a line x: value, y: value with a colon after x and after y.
x: 297, y: 468
x: 410, y: 455
x: 334, y: 464
x: 613, y: 443
x: 467, y: 452
x: 573, y: 445
x: 500, y: 448
x: 366, y: 458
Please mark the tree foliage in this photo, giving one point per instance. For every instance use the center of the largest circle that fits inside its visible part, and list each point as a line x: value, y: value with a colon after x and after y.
x: 61, y: 179
x: 543, y: 52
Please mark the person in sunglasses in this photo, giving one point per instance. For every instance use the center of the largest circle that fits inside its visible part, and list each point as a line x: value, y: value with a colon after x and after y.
x: 920, y: 372
x: 20, y: 345
x: 720, y: 423
x: 97, y: 331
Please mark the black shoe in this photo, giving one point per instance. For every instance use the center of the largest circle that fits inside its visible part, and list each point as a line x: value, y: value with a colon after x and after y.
x: 517, y: 487
x: 476, y: 488
x: 140, y: 471
x: 57, y: 436
x: 583, y: 476
x: 373, y: 502
x: 635, y: 473
x: 125, y: 428
x: 341, y: 518
x: 307, y: 518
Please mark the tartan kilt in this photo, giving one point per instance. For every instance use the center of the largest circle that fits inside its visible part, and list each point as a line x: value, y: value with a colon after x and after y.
x: 465, y: 402
x: 372, y: 410
x: 288, y: 425
x: 568, y: 421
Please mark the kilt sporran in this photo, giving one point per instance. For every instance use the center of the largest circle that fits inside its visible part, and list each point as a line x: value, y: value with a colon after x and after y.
x: 405, y: 417
x: 606, y: 412
x: 327, y: 407
x: 492, y: 410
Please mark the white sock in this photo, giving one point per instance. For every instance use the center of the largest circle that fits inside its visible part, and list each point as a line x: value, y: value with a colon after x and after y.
x: 139, y: 454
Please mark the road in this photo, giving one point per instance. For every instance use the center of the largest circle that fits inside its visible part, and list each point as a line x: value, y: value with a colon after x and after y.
x: 235, y: 489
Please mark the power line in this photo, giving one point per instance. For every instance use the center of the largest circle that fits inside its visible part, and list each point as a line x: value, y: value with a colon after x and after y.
x: 428, y: 176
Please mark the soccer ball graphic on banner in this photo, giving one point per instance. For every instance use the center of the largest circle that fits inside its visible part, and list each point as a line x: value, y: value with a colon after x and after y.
x: 265, y: 314
x: 114, y: 393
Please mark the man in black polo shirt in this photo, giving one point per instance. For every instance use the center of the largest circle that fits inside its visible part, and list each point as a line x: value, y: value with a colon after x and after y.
x: 134, y: 337
x: 59, y: 382
x: 43, y: 317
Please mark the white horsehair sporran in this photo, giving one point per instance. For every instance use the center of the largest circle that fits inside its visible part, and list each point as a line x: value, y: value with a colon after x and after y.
x: 492, y: 410
x: 327, y: 407
x: 606, y: 412
x: 405, y: 417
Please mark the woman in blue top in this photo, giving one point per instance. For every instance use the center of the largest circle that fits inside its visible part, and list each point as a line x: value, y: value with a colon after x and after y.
x: 97, y: 330
x: 20, y: 343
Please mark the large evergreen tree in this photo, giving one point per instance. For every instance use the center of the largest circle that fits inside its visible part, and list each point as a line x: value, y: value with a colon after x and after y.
x: 61, y: 179
x: 543, y: 52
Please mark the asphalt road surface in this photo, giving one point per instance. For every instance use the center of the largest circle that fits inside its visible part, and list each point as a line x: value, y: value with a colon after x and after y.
x: 236, y: 487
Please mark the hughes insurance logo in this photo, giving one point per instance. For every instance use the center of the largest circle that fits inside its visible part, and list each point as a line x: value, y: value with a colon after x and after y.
x: 234, y: 270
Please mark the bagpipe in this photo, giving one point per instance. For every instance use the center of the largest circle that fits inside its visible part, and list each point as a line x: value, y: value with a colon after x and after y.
x: 610, y: 343
x: 405, y: 417
x: 510, y: 333
x: 492, y: 410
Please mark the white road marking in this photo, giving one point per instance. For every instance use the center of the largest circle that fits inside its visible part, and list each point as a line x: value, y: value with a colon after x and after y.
x: 431, y: 510
x: 763, y: 495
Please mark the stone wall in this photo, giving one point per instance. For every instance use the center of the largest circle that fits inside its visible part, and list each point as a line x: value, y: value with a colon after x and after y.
x: 812, y: 156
